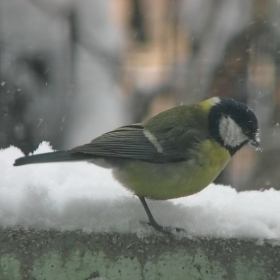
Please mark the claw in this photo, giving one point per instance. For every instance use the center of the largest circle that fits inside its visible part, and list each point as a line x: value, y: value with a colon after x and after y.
x: 166, y: 230
x: 152, y: 222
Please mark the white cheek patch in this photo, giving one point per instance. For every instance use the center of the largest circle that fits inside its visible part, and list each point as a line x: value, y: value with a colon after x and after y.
x: 231, y: 132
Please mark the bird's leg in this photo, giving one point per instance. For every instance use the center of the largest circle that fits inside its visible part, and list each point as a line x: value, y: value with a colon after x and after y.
x: 152, y: 221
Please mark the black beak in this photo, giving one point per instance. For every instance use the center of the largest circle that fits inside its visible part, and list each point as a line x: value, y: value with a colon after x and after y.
x: 255, y: 141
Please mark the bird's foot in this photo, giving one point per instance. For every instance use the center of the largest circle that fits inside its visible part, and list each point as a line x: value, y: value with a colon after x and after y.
x: 166, y: 230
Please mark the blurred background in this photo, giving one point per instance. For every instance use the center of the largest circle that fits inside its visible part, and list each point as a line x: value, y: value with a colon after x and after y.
x: 73, y: 69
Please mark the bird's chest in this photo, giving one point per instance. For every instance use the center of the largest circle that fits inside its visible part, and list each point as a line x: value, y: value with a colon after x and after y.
x: 204, y: 168
x: 173, y: 180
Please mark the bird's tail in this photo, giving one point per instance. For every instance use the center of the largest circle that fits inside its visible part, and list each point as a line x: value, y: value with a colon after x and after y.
x: 52, y: 157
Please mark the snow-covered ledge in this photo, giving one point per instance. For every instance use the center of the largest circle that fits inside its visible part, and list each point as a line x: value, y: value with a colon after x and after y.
x: 73, y: 221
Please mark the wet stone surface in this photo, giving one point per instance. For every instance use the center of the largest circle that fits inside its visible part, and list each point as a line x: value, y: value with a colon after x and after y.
x: 48, y: 254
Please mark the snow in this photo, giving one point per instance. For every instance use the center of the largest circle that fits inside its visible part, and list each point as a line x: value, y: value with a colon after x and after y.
x: 68, y: 196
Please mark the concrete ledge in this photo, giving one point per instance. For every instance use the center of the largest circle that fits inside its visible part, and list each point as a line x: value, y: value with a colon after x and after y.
x: 54, y: 255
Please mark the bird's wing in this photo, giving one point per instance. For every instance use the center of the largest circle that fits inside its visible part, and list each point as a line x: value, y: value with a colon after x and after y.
x: 136, y: 142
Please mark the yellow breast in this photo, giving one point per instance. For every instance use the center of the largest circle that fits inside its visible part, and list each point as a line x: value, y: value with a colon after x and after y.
x: 173, y: 180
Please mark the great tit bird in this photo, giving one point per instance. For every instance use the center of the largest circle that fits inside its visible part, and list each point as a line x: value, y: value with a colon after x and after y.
x: 176, y: 153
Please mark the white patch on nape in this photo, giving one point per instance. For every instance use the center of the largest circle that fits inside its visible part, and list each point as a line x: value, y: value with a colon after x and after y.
x: 231, y: 132
x: 216, y: 100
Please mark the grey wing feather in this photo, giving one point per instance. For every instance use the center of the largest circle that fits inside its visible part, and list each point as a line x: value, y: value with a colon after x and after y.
x: 124, y: 142
x: 130, y: 142
x: 60, y: 156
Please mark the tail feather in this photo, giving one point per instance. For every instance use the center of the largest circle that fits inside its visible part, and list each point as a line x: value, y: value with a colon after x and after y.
x: 52, y: 157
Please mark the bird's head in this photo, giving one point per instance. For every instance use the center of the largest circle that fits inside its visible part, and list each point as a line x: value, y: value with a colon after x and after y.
x: 233, y: 124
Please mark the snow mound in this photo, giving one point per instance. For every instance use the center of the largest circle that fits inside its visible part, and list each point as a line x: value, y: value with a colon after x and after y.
x: 68, y: 196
